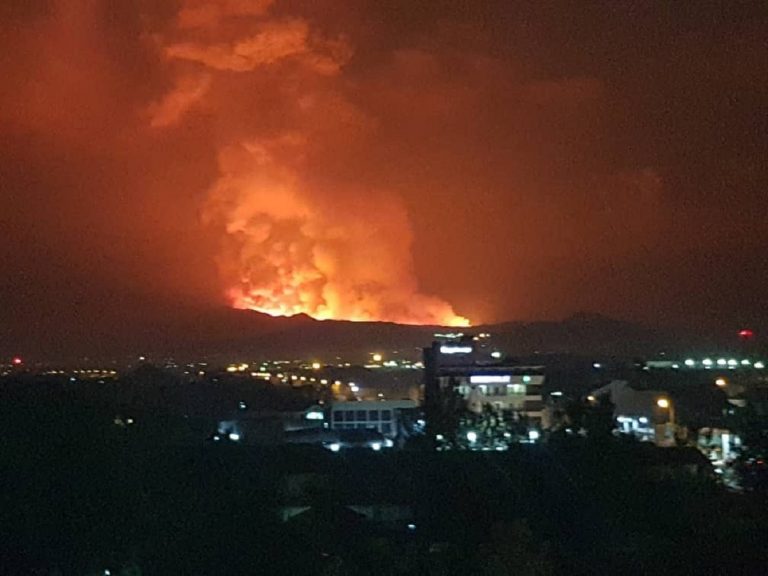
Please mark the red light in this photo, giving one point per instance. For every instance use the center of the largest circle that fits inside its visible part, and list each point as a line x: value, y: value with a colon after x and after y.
x: 746, y: 334
x: 17, y: 361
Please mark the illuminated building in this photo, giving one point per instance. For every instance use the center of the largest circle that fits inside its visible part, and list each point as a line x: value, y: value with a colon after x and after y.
x: 469, y: 367
x: 384, y: 416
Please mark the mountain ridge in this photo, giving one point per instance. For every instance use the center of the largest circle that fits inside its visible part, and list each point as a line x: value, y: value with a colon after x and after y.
x: 191, y: 333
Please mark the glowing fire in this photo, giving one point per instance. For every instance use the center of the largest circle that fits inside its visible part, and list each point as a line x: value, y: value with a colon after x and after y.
x: 278, y: 305
x: 296, y: 237
x: 285, y: 253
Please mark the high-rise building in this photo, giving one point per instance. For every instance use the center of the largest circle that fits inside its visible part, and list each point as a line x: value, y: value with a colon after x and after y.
x: 467, y: 367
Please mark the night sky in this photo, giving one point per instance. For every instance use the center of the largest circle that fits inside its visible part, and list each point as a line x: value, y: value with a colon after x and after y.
x: 399, y: 160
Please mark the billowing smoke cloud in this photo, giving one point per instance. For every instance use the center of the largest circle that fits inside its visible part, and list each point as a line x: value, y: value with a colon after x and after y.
x: 523, y: 162
x: 290, y: 244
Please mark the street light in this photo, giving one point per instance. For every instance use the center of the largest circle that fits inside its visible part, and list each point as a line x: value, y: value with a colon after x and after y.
x: 666, y: 404
x: 721, y: 382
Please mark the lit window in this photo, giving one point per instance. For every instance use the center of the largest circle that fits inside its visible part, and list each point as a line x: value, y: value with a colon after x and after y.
x: 489, y: 379
x: 455, y: 349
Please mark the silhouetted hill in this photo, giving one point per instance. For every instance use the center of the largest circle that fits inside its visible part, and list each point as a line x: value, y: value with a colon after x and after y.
x: 222, y: 333
x: 582, y: 334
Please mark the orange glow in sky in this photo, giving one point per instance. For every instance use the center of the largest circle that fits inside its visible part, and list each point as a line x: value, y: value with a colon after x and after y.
x: 276, y: 304
x: 409, y: 162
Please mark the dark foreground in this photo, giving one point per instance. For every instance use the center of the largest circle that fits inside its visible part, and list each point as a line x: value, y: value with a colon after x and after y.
x: 82, y: 495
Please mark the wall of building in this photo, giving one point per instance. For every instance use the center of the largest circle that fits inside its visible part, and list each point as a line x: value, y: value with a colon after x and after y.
x: 383, y: 416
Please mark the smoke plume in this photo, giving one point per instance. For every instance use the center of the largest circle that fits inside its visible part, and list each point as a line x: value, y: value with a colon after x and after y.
x: 291, y: 242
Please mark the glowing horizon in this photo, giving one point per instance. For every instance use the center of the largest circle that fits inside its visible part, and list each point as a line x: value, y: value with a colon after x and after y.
x: 275, y: 309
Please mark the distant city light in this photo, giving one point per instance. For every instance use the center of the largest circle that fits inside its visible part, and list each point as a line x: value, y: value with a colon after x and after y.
x: 472, y: 436
x: 662, y: 403
x: 377, y: 357
x: 597, y: 365
x: 496, y: 354
x: 533, y: 435
x: 690, y: 362
x: 334, y: 447
x: 591, y: 398
x: 759, y: 365
x: 314, y: 415
x: 17, y: 361
x: 242, y: 405
x: 643, y: 420
x: 733, y: 362
x: 234, y: 436
x: 316, y: 366
x: 526, y: 379
x: 556, y: 394
x: 455, y: 349
x: 452, y: 335
x: 376, y: 446
x: 707, y: 362
x: 411, y: 526
x: 746, y: 334
x: 721, y: 382
x: 439, y: 437
x: 722, y: 362
x: 745, y: 362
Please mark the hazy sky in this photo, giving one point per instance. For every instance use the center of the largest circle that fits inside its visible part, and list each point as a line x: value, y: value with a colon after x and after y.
x: 511, y: 160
